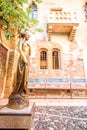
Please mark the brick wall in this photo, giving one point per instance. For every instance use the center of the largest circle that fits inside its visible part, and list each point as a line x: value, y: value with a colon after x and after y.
x: 73, y: 54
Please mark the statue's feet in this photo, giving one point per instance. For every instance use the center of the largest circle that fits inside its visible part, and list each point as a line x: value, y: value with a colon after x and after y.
x: 18, y: 102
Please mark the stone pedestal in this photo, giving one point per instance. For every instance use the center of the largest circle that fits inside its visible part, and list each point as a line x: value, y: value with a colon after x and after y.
x: 17, y: 119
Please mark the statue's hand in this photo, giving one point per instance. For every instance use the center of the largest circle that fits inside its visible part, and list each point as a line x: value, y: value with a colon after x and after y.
x: 26, y: 62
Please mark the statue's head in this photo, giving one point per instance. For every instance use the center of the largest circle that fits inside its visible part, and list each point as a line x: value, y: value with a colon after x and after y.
x: 25, y: 36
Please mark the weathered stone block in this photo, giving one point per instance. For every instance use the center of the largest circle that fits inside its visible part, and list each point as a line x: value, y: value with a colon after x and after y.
x: 17, y: 119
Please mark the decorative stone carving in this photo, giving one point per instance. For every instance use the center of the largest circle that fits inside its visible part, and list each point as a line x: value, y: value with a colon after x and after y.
x: 72, y: 33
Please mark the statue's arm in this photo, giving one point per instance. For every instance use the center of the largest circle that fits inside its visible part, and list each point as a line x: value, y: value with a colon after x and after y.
x: 21, y: 52
x: 29, y: 49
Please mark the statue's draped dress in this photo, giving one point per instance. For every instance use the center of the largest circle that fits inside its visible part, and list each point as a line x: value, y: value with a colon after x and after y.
x: 17, y: 98
x: 22, y: 72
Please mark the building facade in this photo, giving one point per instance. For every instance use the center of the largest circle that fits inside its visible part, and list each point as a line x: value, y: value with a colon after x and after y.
x: 58, y: 54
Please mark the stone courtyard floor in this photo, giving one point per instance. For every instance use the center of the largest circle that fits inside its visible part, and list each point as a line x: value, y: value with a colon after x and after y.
x: 60, y: 118
x: 59, y: 114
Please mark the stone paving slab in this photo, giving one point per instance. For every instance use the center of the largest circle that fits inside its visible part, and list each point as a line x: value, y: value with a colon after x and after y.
x: 60, y: 102
x: 53, y: 102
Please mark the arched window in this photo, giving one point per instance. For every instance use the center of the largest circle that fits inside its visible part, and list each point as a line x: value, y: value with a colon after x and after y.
x: 34, y: 14
x: 55, y: 59
x: 43, y: 60
x: 85, y: 9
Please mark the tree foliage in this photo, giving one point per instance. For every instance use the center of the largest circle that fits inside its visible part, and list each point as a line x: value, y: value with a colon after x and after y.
x: 14, y: 15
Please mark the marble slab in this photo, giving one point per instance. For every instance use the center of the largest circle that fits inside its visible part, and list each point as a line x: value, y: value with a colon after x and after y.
x: 17, y: 119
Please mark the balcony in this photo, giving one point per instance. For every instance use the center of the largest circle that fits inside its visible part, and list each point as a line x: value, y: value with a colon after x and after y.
x: 62, y: 22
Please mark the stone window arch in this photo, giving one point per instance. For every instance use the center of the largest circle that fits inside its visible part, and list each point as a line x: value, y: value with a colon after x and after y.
x: 55, y: 59
x: 43, y: 59
x: 34, y: 11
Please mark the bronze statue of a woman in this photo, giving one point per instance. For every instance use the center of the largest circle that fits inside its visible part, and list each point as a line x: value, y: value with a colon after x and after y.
x: 17, y: 99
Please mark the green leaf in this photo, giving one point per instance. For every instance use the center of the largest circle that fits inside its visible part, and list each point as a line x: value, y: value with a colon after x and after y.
x: 14, y: 16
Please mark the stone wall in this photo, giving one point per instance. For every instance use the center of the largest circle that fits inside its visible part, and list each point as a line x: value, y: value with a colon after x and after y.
x: 3, y: 67
x: 72, y: 57
x: 11, y: 71
x: 73, y: 54
x: 8, y: 63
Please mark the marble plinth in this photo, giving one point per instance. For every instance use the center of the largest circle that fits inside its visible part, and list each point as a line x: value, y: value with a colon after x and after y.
x: 17, y: 119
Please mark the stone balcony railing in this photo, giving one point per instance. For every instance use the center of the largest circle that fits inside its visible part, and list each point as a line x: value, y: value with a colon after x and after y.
x: 62, y: 17
x: 62, y: 22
